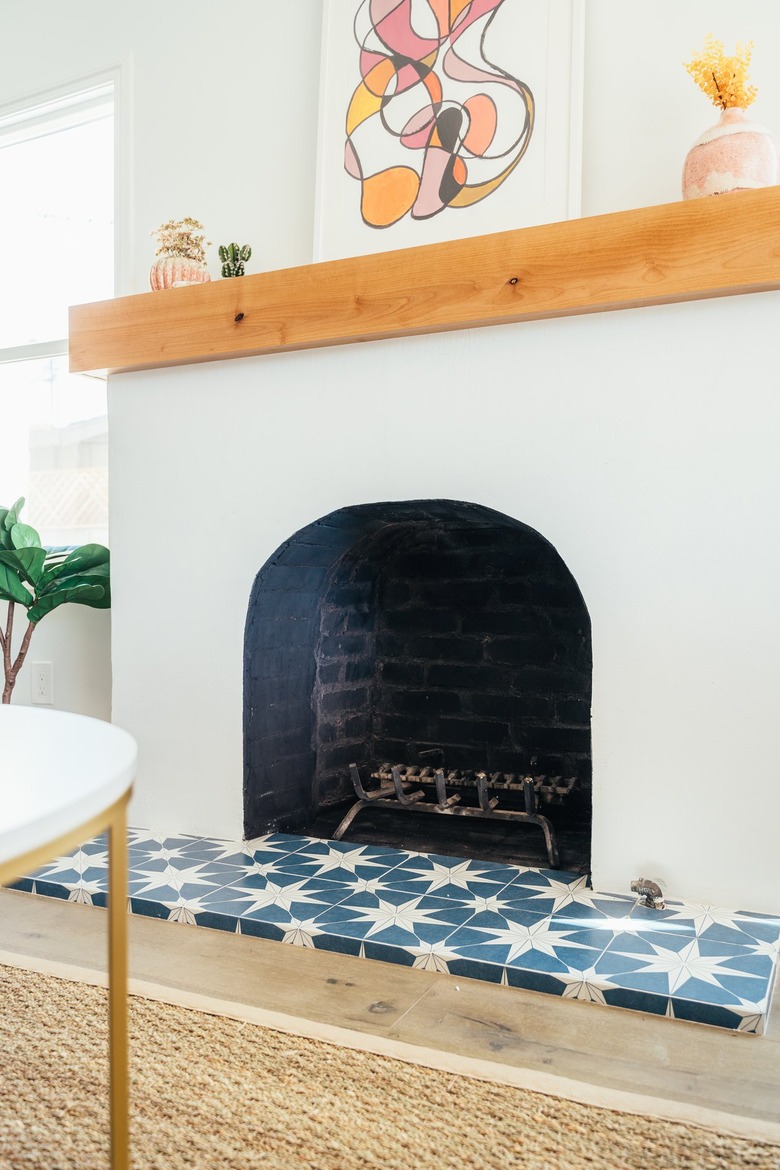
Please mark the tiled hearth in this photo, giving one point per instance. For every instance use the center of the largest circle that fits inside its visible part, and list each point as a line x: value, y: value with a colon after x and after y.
x: 539, y: 929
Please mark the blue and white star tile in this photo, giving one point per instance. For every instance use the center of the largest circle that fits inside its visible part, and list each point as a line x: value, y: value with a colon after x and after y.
x: 213, y: 851
x: 690, y: 969
x: 540, y: 929
x: 528, y: 941
x: 341, y: 861
x: 278, y: 899
x: 395, y: 918
x: 550, y: 891
x: 153, y: 877
x: 714, y: 923
x: 450, y: 877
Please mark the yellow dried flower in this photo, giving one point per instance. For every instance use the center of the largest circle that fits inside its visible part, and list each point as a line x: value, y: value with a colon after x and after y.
x: 182, y: 237
x: 722, y: 78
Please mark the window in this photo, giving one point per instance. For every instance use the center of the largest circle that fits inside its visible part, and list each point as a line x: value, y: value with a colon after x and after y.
x: 57, y: 201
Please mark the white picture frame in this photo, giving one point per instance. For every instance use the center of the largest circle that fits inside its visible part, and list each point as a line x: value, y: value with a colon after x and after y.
x: 538, y: 46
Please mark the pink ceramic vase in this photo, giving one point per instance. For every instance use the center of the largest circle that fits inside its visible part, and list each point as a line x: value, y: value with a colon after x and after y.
x: 170, y: 270
x: 733, y: 154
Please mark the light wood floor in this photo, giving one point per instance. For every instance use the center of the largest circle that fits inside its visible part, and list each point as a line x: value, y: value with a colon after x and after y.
x: 599, y: 1055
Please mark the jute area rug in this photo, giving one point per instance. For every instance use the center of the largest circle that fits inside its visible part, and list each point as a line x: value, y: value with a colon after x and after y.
x: 211, y: 1092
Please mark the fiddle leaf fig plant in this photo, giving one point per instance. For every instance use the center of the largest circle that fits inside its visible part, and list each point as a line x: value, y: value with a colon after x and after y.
x: 41, y: 579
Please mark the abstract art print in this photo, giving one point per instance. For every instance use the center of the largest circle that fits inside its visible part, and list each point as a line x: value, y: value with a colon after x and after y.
x: 446, y: 118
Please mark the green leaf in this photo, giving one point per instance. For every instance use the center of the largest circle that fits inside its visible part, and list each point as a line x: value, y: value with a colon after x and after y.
x: 93, y: 595
x: 26, y: 562
x: 12, y: 515
x: 96, y: 576
x: 12, y: 588
x: 87, y: 556
x: 23, y: 536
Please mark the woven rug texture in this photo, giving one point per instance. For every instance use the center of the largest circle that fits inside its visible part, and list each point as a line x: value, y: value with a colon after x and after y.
x: 212, y: 1093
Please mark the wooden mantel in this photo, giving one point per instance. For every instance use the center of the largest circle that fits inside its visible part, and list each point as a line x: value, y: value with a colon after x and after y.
x: 712, y: 247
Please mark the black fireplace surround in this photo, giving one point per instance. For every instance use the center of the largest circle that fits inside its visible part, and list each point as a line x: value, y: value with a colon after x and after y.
x: 384, y: 630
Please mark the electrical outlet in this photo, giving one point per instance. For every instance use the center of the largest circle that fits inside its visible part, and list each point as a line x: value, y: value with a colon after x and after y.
x: 42, y: 682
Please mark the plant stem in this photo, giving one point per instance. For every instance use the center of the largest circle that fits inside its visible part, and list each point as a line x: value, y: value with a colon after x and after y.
x: 10, y: 669
x: 7, y: 667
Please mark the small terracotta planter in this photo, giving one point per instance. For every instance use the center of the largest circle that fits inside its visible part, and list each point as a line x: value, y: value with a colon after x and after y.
x: 177, y: 270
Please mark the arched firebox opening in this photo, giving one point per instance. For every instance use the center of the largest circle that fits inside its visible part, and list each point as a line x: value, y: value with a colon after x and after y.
x: 409, y: 631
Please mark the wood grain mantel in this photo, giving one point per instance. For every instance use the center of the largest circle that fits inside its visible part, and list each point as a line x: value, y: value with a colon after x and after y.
x: 712, y: 247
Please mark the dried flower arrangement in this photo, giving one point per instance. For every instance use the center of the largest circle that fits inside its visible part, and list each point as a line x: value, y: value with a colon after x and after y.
x: 182, y: 237
x: 722, y: 78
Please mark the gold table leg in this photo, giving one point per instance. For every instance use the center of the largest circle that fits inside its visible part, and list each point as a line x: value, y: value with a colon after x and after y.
x: 117, y: 986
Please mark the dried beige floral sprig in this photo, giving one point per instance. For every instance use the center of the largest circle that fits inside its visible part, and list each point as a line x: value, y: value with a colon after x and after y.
x: 182, y: 237
x: 722, y: 78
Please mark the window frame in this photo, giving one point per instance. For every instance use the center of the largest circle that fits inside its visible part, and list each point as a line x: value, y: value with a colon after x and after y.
x: 59, y: 108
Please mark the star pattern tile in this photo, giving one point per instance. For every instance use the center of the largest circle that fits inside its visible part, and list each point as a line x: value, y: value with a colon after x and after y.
x: 535, y: 928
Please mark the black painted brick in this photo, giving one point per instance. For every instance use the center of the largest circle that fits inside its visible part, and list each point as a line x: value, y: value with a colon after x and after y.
x: 489, y: 621
x: 393, y: 726
x: 444, y: 649
x: 311, y: 555
x: 403, y: 673
x: 559, y: 739
x: 357, y: 727
x: 359, y: 670
x: 388, y: 750
x: 327, y: 732
x: 267, y: 664
x: 456, y: 594
x: 511, y: 707
x: 343, y: 701
x: 395, y: 594
x: 330, y: 672
x: 421, y: 621
x: 293, y: 578
x: 573, y: 711
x: 341, y: 756
x: 471, y: 731
x: 359, y: 620
x: 343, y: 645
x: 521, y: 651
x: 279, y: 746
x: 555, y: 680
x: 284, y: 633
x: 350, y: 594
x: 291, y: 689
x: 569, y: 621
x: 478, y: 677
x: 274, y: 603
x: 334, y: 621
x: 426, y: 702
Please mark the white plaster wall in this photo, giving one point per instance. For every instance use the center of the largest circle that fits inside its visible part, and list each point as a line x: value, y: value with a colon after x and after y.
x: 219, y: 119
x: 641, y: 443
x: 642, y: 110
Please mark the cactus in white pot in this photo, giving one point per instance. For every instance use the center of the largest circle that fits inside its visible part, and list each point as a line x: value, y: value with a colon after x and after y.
x: 234, y: 258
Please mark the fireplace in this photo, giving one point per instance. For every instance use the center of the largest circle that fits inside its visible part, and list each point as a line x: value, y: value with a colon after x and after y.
x: 607, y: 434
x: 409, y: 631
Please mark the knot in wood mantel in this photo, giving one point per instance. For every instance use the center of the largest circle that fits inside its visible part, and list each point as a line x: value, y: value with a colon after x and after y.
x: 648, y: 256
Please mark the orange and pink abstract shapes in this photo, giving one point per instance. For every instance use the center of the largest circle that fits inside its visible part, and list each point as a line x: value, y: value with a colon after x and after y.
x: 432, y: 123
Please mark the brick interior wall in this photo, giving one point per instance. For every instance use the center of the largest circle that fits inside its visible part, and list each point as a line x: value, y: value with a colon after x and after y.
x: 384, y: 630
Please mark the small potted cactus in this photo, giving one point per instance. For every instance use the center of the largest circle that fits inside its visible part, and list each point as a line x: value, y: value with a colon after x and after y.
x: 182, y: 250
x: 234, y: 258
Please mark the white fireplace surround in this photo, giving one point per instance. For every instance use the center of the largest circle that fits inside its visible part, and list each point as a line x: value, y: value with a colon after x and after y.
x: 641, y: 443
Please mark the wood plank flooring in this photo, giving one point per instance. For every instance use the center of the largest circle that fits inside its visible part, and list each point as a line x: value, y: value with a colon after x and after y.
x: 599, y: 1055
